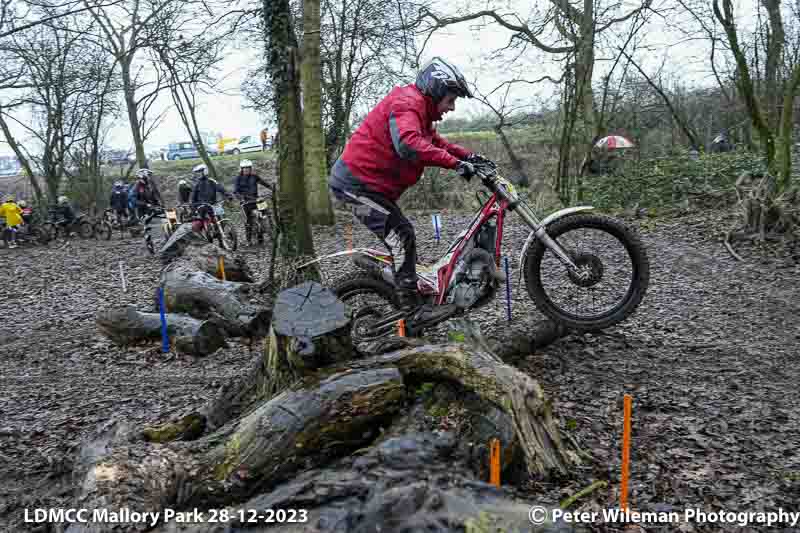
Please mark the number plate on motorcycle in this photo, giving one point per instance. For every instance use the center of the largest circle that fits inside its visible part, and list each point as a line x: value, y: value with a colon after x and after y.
x: 261, y: 205
x: 219, y: 210
x: 172, y: 216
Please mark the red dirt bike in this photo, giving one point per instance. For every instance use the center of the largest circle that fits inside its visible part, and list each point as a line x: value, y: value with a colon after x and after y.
x: 554, y: 261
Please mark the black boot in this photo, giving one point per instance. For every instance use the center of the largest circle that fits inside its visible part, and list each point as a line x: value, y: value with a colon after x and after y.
x: 408, y: 299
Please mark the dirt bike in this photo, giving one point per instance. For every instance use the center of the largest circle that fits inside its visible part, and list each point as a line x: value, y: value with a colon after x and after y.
x: 468, y: 275
x: 111, y: 221
x: 58, y: 227
x: 262, y: 223
x: 215, y: 227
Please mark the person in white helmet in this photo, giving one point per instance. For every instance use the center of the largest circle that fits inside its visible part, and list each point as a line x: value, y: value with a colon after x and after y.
x: 184, y: 192
x: 205, y: 190
x: 246, y: 188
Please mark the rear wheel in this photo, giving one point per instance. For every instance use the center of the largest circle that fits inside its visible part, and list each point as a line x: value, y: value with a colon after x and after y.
x: 41, y: 235
x: 85, y: 229
x: 103, y: 230
x: 366, y: 300
x: 51, y: 230
x: 613, y: 277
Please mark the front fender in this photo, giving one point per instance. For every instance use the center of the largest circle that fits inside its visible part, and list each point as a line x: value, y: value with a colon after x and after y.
x: 549, y: 219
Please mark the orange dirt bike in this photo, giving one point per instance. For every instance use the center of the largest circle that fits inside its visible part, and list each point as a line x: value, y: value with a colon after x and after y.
x: 584, y: 270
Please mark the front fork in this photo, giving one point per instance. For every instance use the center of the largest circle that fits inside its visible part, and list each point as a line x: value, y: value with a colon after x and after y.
x: 540, y: 230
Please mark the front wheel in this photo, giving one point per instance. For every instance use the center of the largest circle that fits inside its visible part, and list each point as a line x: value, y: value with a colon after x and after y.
x: 231, y: 239
x: 612, y: 279
x: 264, y: 229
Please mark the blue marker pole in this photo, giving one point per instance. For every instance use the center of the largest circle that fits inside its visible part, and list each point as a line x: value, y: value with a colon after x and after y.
x: 508, y: 288
x: 436, y: 226
x: 161, y: 306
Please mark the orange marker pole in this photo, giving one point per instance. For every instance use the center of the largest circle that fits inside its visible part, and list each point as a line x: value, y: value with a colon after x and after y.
x: 626, y: 452
x: 221, y: 267
x: 494, y: 462
x: 401, y: 327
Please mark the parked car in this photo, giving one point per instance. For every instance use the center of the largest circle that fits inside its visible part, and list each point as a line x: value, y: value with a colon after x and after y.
x: 118, y: 157
x: 186, y: 150
x: 248, y: 143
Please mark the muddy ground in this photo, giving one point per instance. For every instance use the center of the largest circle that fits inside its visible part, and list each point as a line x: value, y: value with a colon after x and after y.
x: 709, y: 358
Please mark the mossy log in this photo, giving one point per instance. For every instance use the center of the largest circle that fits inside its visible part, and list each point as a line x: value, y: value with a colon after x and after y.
x: 126, y: 325
x: 239, y: 307
x: 303, y: 427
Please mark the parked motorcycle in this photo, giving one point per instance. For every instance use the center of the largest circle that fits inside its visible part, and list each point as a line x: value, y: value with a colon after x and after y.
x: 563, y: 272
x: 58, y: 227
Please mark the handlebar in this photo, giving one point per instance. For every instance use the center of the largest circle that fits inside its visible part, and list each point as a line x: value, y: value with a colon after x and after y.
x: 259, y: 199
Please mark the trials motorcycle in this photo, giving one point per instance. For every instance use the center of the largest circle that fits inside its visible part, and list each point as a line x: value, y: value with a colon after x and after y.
x: 570, y: 276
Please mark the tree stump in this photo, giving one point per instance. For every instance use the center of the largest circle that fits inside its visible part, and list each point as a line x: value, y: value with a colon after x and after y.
x: 310, y: 329
x: 126, y: 325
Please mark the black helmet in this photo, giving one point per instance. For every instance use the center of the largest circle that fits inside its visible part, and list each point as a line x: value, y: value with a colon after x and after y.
x: 438, y: 77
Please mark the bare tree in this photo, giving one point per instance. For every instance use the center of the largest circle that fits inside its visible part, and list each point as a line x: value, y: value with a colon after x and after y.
x: 123, y: 28
x: 67, y: 85
x: 509, y: 114
x: 776, y: 145
x: 188, y: 64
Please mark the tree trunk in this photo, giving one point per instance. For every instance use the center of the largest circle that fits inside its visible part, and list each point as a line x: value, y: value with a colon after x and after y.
x: 314, y: 154
x: 129, y: 92
x: 126, y: 325
x: 296, y: 238
x: 23, y: 161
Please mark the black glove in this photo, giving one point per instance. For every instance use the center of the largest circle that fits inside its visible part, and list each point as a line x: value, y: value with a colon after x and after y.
x: 478, y: 159
x: 465, y: 169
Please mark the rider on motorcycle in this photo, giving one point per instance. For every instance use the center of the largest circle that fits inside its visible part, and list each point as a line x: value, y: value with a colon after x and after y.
x: 145, y: 192
x: 184, y: 192
x: 388, y: 153
x: 246, y: 187
x: 205, y: 192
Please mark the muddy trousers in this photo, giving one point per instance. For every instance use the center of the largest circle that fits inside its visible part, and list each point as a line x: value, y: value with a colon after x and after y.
x: 384, y: 218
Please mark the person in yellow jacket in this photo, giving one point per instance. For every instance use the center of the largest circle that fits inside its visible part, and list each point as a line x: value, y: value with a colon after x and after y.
x: 13, y: 215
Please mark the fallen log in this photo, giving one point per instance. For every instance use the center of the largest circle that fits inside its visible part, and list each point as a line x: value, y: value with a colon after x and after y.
x: 238, y: 307
x: 126, y: 325
x: 191, y: 248
x: 303, y: 427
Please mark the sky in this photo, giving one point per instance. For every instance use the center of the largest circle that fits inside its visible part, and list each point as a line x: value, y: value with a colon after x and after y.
x: 468, y: 45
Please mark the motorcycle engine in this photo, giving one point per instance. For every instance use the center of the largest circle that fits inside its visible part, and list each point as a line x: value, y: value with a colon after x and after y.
x: 474, y: 282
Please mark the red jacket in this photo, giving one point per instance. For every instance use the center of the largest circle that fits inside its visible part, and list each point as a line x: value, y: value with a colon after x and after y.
x: 396, y: 141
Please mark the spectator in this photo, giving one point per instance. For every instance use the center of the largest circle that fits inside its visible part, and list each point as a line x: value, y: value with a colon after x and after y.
x: 13, y: 215
x: 264, y: 140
